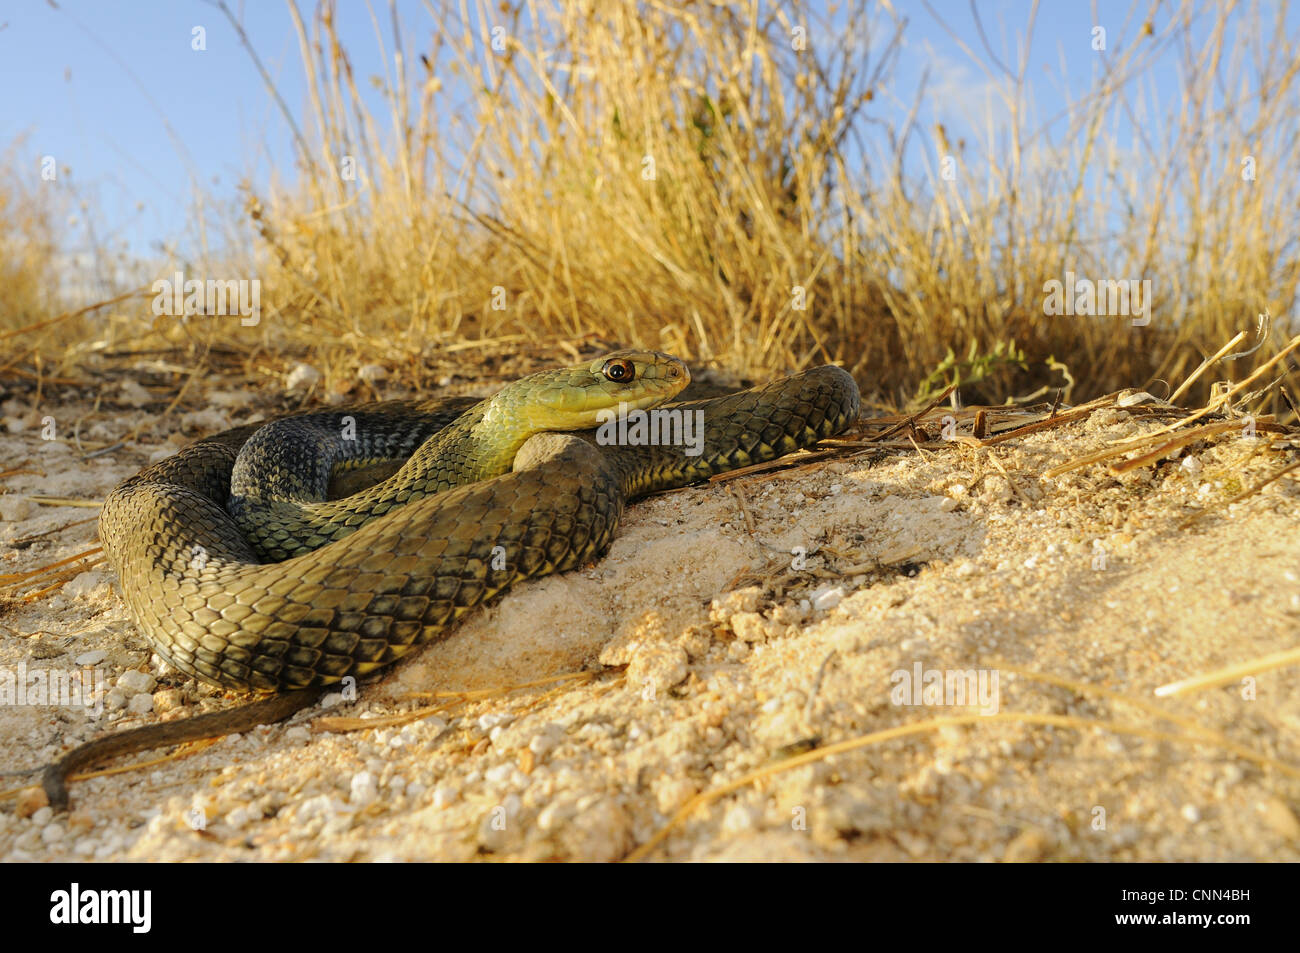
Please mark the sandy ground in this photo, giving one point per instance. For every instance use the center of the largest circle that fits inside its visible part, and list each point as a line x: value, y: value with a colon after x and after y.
x: 730, y: 627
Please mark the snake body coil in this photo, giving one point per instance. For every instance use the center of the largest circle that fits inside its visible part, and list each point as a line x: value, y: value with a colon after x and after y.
x: 485, y: 500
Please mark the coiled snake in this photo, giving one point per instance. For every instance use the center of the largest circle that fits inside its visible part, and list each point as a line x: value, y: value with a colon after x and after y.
x: 487, y: 498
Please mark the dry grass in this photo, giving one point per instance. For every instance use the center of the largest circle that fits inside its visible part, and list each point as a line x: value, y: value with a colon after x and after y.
x: 30, y: 260
x: 666, y: 174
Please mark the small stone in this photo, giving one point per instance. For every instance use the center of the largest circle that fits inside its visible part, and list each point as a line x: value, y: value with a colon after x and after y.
x: 997, y: 489
x: 206, y: 420
x: 547, y: 737
x: 364, y: 790
x: 827, y: 598
x: 739, y: 819
x: 492, y: 719
x: 657, y: 667
x: 130, y: 391
x: 241, y: 816
x: 91, y: 658
x: 86, y: 585
x: 1190, y: 813
x: 675, y: 792
x: 747, y: 599
x: 320, y: 806
x: 750, y: 627
x: 301, y: 377
x: 372, y: 372
x: 140, y: 704
x: 169, y: 699
x: 134, y: 682
x: 1280, y: 817
x: 15, y: 508
x: 30, y: 801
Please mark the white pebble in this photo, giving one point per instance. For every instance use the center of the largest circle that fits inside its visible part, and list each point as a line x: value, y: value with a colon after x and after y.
x: 492, y: 719
x: 364, y: 789
x: 240, y: 816
x: 827, y: 597
x: 133, y: 682
x: 302, y: 376
x: 15, y: 508
x: 140, y: 704
x: 738, y: 819
x: 322, y: 805
x: 546, y: 739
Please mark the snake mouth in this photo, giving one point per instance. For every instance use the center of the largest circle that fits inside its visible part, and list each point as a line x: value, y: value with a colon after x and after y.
x: 575, y: 411
x: 579, y: 398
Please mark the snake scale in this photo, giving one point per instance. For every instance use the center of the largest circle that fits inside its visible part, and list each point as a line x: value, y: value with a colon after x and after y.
x: 488, y: 496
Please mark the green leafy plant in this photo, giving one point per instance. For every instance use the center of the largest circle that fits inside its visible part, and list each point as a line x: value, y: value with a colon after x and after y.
x: 971, y: 369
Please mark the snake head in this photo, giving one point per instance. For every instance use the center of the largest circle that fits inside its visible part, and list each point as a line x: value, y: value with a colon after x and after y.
x: 573, y: 398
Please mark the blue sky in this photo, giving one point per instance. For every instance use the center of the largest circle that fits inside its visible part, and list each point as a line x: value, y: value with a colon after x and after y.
x: 114, y: 90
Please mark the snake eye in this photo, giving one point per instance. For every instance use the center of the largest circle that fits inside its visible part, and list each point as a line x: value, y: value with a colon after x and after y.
x: 619, y: 370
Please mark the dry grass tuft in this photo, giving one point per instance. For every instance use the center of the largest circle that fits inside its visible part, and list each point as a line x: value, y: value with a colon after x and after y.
x: 669, y: 175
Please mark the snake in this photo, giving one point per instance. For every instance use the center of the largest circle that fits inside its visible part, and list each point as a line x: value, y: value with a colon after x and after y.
x: 239, y: 570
